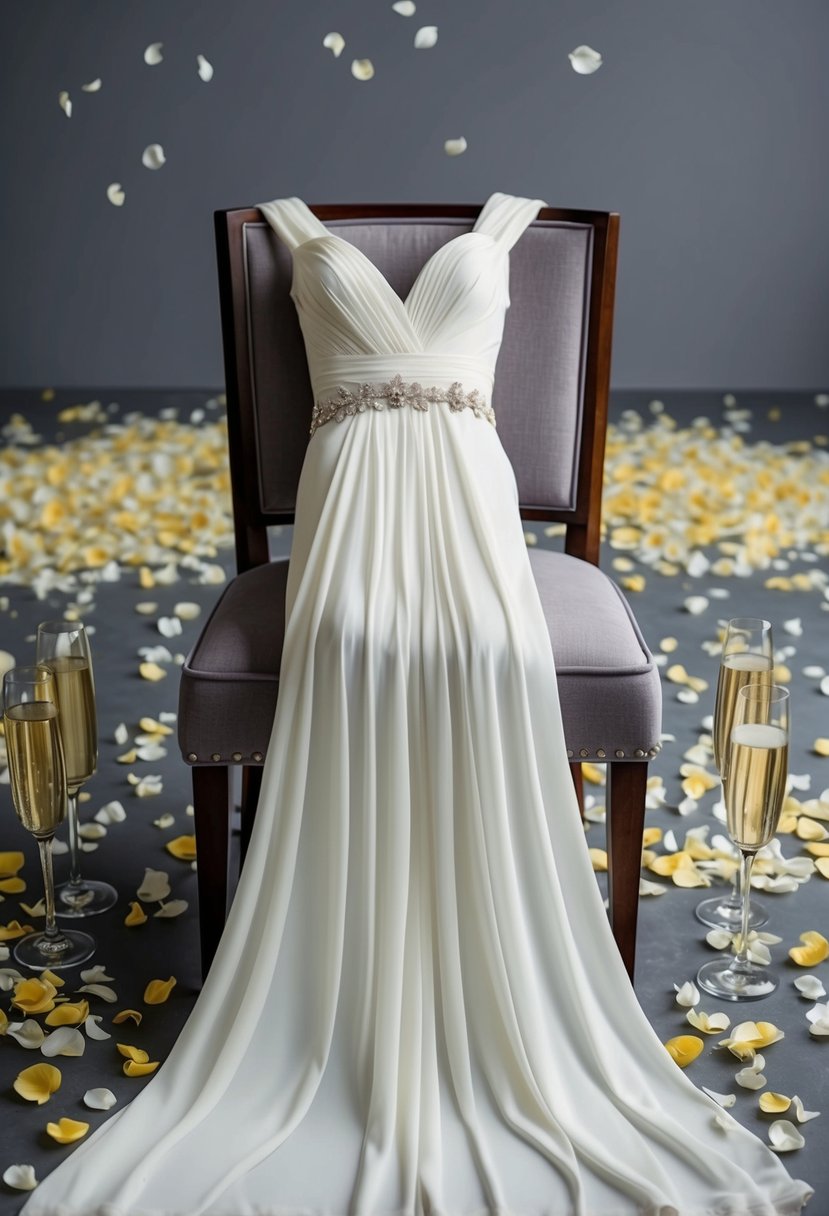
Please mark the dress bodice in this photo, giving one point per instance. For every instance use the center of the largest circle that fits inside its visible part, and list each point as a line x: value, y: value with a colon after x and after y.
x: 357, y: 328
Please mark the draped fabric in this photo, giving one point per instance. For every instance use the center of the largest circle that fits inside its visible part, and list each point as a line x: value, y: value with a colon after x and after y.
x: 417, y: 1007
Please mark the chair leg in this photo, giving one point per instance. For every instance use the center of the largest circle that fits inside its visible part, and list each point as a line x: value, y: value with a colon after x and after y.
x: 627, y: 783
x: 212, y: 803
x: 578, y: 782
x: 251, y: 787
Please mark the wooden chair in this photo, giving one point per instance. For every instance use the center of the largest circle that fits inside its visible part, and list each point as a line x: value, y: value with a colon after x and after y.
x: 550, y: 399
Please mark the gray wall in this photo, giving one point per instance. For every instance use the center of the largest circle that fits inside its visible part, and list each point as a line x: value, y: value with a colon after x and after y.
x: 706, y: 128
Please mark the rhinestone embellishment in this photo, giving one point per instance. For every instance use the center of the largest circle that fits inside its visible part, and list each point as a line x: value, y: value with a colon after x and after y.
x: 394, y: 394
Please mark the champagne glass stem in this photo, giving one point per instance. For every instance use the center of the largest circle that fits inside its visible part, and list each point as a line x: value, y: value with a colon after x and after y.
x: 56, y: 938
x: 75, y: 879
x: 741, y: 962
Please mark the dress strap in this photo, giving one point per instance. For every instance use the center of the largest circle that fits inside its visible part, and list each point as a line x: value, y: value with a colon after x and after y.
x: 505, y: 216
x: 292, y: 220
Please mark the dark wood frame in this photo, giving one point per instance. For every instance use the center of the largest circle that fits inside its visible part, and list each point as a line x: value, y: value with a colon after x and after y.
x: 211, y: 783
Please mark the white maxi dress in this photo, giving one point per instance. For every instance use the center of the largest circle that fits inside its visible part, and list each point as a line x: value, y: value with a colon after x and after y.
x: 417, y: 1007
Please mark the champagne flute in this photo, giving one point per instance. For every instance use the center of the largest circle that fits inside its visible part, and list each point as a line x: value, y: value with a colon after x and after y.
x: 747, y: 657
x: 38, y: 783
x: 63, y: 647
x: 757, y: 764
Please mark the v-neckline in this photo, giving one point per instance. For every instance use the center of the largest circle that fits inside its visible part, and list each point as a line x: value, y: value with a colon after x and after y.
x: 402, y: 301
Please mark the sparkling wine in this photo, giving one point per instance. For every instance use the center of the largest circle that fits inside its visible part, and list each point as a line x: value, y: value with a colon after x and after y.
x: 78, y: 725
x: 38, y: 779
x: 736, y: 670
x: 756, y: 782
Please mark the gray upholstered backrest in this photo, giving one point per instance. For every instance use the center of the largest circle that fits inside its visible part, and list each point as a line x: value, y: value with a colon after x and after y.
x: 539, y: 378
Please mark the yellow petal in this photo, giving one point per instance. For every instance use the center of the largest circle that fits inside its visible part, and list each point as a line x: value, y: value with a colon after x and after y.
x: 12, y: 886
x: 593, y: 774
x: 814, y: 950
x: 684, y: 1048
x: 669, y: 863
x: 599, y: 859
x: 821, y: 746
x: 809, y: 829
x: 634, y: 582
x: 128, y: 1013
x: 14, y: 929
x: 65, y: 1131
x: 818, y: 850
x: 651, y: 836
x: 34, y: 995
x: 4, y: 1022
x: 38, y: 1083
x: 133, y: 1069
x: 10, y: 862
x: 774, y: 1104
x: 136, y: 914
x: 677, y: 674
x: 136, y: 1054
x: 157, y: 991
x: 151, y: 727
x: 668, y: 645
x: 822, y: 866
x: 183, y: 847
x: 71, y: 1013
x: 151, y: 671
x: 686, y: 876
x: 52, y: 978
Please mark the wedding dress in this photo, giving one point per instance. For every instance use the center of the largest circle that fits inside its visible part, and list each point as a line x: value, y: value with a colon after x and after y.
x: 417, y: 1007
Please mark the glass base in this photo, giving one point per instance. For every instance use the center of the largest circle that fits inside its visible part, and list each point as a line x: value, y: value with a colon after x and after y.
x: 86, y: 898
x: 720, y: 913
x: 719, y: 979
x: 39, y: 951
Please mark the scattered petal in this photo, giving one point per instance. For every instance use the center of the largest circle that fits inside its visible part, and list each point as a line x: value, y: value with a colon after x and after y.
x: 784, y: 1136
x: 28, y: 1034
x: 814, y: 950
x: 65, y: 1041
x: 184, y: 847
x: 156, y: 886
x: 20, y: 1177
x: 38, y: 1083
x: 99, y: 1099
x: 205, y: 69
x: 115, y: 194
x: 426, y: 37
x: 405, y: 8
x: 174, y: 907
x: 724, y: 1100
x: 362, y: 69
x: 810, y: 986
x: 454, y: 147
x: 585, y: 60
x: 152, y: 54
x: 157, y: 991
x: 67, y: 1131
x: 70, y: 1013
x: 334, y: 42
x: 93, y: 1030
x: 687, y: 994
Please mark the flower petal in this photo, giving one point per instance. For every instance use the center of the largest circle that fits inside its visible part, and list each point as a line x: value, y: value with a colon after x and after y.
x: 152, y: 54
x: 65, y: 1041
x: 585, y: 60
x: 814, y: 950
x: 684, y: 1048
x: 20, y: 1177
x: 362, y: 69
x: 67, y: 1131
x: 38, y: 1083
x: 335, y: 43
x: 784, y: 1136
x: 687, y: 994
x: 454, y: 147
x: 157, y: 991
x: 426, y: 37
x: 99, y: 1099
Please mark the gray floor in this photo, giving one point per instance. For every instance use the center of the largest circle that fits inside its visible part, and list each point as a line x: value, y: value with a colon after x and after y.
x: 671, y: 941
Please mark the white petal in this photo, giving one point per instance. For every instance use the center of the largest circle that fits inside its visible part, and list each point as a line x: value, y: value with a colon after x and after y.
x: 824, y: 686
x: 687, y: 994
x: 784, y: 1136
x: 92, y: 831
x: 794, y: 627
x: 152, y: 55
x: 28, y: 1034
x: 121, y: 734
x: 93, y: 86
x: 749, y: 1079
x: 153, y: 156
x: 99, y: 1099
x: 697, y: 564
x: 334, y: 42
x: 173, y: 907
x: 724, y: 1121
x: 695, y: 604
x: 102, y: 990
x: 65, y: 1041
x: 205, y: 68
x: 59, y: 847
x: 688, y: 805
x: 93, y: 1030
x: 111, y: 812
x: 405, y: 8
x: 585, y: 60
x: 725, y: 1100
x: 169, y: 626
x: 425, y: 37
x: 362, y: 69
x: 156, y: 886
x: 186, y: 611
x: 814, y: 673
x: 8, y: 978
x: 151, y: 751
x: 720, y: 939
x: 687, y: 696
x: 165, y: 821
x: 800, y: 781
x: 810, y: 986
x: 65, y: 103
x: 20, y: 1177
x: 454, y: 147
x: 96, y: 975
x: 803, y: 1116
x: 155, y: 654
x: 651, y: 888
x: 115, y: 194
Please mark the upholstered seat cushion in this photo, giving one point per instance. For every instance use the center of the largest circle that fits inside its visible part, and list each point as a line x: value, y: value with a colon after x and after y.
x: 608, y: 683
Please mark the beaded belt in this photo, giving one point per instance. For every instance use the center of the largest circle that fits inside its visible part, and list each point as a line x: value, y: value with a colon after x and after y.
x: 395, y: 393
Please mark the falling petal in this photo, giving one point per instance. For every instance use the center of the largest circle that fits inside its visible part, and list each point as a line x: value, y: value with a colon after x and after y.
x: 426, y: 37
x: 153, y: 156
x: 65, y: 103
x: 20, y: 1177
x: 67, y: 1131
x: 406, y: 8
x: 334, y: 42
x: 115, y: 194
x: 38, y: 1083
x: 152, y: 54
x: 585, y: 60
x: 94, y: 86
x: 362, y: 69
x: 99, y: 1099
x: 205, y: 68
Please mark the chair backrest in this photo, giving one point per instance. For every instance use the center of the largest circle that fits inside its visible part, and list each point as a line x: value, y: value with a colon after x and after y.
x: 551, y: 379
